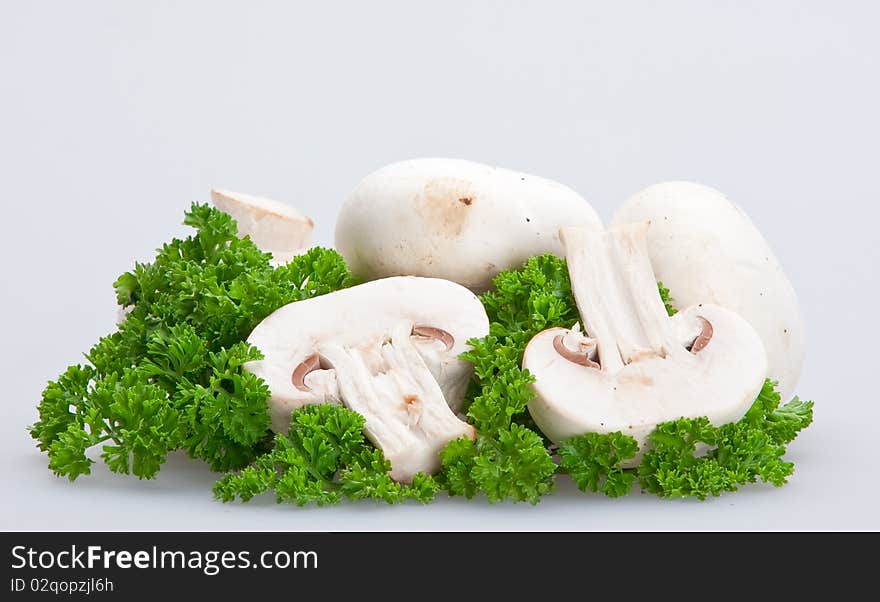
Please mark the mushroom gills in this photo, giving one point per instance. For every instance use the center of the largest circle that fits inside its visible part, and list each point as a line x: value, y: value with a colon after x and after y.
x: 390, y: 385
x: 303, y: 369
x: 634, y: 366
x: 435, y: 334
x: 584, y: 353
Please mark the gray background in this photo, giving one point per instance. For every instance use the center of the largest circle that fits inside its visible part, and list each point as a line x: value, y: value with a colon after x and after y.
x: 115, y: 116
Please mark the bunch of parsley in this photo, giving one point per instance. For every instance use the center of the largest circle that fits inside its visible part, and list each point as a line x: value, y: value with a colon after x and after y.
x: 510, y: 458
x: 171, y: 376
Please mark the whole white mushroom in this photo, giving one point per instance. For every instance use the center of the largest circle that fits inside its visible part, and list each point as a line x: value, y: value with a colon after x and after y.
x: 454, y: 219
x: 705, y: 249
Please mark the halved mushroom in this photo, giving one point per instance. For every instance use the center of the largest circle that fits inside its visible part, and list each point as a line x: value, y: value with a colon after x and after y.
x: 387, y: 349
x: 454, y: 219
x: 706, y: 250
x: 636, y: 366
x: 273, y: 226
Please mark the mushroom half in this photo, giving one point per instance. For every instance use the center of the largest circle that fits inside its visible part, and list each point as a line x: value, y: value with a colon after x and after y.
x: 388, y: 350
x: 273, y: 226
x: 635, y: 367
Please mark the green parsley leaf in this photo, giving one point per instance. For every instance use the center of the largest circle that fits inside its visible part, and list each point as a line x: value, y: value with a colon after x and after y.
x: 509, y: 459
x: 594, y: 462
x: 513, y: 464
x: 668, y: 301
x: 745, y: 451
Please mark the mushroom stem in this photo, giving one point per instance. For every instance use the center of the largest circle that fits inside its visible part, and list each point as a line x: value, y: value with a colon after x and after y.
x: 616, y: 294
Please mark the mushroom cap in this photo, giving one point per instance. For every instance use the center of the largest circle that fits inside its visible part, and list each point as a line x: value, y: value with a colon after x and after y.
x: 363, y: 316
x: 454, y: 219
x: 720, y: 382
x: 705, y: 249
x: 273, y: 226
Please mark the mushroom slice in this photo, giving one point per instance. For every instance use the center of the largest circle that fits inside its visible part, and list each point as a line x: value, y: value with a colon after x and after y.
x: 648, y: 367
x: 273, y: 226
x: 387, y: 349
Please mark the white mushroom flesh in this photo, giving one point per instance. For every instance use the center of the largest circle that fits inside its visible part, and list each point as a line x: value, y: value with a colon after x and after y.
x: 649, y: 368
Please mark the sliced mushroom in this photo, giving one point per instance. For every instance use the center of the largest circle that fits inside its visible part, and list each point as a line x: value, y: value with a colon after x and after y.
x: 454, y: 219
x: 273, y: 226
x: 707, y: 250
x: 704, y: 361
x: 387, y: 349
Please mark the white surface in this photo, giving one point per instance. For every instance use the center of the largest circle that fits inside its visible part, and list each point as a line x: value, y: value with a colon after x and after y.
x: 114, y: 116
